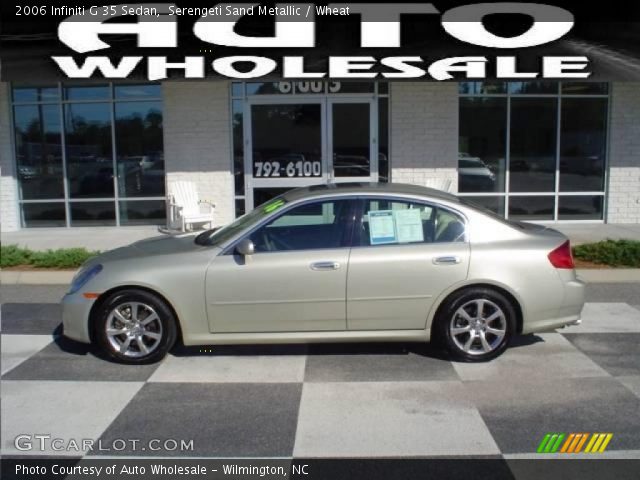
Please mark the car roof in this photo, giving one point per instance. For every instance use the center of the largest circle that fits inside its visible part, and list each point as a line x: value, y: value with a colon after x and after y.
x: 365, y: 188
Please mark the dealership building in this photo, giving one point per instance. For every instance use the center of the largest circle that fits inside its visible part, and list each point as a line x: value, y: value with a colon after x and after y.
x: 82, y: 155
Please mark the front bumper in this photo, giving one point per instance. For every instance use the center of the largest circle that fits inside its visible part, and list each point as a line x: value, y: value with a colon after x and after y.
x: 75, y: 317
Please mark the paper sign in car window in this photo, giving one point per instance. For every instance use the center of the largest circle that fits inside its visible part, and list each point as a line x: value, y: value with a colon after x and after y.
x: 409, y: 225
x: 382, y: 227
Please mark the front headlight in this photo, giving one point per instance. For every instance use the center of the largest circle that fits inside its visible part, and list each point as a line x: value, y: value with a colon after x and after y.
x: 83, y: 276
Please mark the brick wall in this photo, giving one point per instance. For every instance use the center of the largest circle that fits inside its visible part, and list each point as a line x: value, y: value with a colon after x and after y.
x: 197, y: 140
x: 424, y: 132
x: 9, y: 220
x: 624, y: 154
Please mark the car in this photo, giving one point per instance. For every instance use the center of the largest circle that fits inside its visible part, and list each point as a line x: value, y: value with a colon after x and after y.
x: 474, y: 175
x: 342, y: 262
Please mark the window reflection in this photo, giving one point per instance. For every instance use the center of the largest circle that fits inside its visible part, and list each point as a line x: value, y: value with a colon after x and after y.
x: 137, y: 91
x: 39, y: 151
x: 539, y: 87
x: 299, y: 153
x: 36, y: 94
x: 587, y: 207
x: 89, y: 214
x: 140, y: 156
x: 142, y: 212
x: 533, y: 144
x: 481, y: 157
x: 87, y: 92
x: 89, y: 150
x: 583, y: 144
x: 351, y: 140
x: 531, y: 208
x: 237, y: 124
x: 383, y: 140
x: 49, y: 214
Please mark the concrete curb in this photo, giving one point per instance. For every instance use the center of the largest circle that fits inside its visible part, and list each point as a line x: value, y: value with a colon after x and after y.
x: 14, y: 277
x: 609, y: 275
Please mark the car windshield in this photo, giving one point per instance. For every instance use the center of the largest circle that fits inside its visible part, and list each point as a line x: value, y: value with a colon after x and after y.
x: 221, y: 235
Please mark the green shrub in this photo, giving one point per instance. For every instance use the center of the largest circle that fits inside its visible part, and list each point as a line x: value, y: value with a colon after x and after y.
x: 615, y: 253
x: 13, y: 255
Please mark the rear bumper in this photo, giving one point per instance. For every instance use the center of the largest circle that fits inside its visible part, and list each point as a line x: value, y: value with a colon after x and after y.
x: 75, y: 317
x: 567, y: 314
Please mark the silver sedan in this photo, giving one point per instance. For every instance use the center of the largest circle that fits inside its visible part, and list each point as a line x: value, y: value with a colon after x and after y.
x: 332, y: 263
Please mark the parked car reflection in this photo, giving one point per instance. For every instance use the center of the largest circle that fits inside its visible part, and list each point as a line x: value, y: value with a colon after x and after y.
x: 474, y: 174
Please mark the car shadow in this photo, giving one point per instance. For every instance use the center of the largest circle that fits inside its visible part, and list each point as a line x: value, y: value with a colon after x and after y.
x: 428, y: 350
x: 314, y: 349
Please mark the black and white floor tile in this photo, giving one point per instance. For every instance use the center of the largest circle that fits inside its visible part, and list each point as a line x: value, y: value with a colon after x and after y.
x: 367, y: 400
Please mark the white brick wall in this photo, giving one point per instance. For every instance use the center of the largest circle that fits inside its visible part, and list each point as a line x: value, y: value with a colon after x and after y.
x: 9, y: 220
x: 624, y: 154
x: 424, y: 132
x: 197, y: 140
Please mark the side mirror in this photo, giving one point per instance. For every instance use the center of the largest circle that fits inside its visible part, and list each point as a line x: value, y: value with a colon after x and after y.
x: 245, y: 248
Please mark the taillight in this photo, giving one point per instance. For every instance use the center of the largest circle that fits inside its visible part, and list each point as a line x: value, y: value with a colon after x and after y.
x: 561, y: 257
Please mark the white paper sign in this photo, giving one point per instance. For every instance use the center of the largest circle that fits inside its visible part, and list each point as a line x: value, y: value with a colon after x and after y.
x: 409, y: 225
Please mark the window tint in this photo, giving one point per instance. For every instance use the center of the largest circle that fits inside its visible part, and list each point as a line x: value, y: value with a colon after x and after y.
x: 396, y: 222
x: 306, y: 227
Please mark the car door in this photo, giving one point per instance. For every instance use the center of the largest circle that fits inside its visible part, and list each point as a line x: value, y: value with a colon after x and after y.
x: 296, y: 279
x: 408, y: 252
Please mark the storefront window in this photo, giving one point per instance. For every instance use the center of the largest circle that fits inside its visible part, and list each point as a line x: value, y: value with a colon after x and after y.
x: 532, y: 160
x: 534, y: 150
x: 140, y: 158
x: 112, y: 154
x: 39, y: 151
x: 89, y: 150
x: 583, y: 144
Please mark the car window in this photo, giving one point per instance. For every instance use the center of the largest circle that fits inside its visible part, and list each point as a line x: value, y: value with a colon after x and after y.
x: 388, y: 222
x: 315, y: 225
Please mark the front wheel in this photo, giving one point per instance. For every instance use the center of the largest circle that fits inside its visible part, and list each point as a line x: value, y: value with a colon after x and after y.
x: 477, y: 324
x: 135, y: 327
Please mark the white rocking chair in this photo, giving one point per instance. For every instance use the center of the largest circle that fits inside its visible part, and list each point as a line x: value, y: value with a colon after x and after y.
x: 186, y: 208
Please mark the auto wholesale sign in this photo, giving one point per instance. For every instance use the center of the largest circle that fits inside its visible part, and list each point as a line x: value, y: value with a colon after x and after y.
x: 156, y: 27
x: 312, y: 42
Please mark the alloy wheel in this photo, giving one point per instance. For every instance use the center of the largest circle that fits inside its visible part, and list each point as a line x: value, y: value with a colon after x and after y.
x: 133, y: 329
x: 478, y: 327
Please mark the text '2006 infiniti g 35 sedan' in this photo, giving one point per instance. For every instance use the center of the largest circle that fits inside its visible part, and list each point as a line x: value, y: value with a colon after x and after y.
x: 332, y: 263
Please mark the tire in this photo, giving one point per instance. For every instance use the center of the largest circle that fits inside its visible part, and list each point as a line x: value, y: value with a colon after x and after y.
x: 462, y: 330
x: 142, y: 341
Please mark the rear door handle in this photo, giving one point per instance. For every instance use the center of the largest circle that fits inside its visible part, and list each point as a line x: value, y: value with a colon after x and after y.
x: 451, y: 260
x: 319, y: 266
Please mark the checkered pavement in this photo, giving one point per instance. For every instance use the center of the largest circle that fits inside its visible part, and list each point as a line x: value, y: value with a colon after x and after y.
x: 364, y: 400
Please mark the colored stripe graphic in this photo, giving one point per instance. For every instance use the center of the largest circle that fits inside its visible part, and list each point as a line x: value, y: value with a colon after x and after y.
x: 582, y: 440
x: 573, y: 442
x: 543, y: 443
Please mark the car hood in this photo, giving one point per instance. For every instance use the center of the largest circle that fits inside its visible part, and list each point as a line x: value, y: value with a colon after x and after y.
x: 160, y: 245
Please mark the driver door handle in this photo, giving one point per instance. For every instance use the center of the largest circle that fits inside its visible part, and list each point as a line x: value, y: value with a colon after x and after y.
x: 452, y: 260
x: 319, y: 266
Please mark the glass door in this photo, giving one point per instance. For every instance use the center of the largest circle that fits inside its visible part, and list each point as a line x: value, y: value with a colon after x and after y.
x: 299, y: 142
x: 286, y: 147
x: 352, y: 140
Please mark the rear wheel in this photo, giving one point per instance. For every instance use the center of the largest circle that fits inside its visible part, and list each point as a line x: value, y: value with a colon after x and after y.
x: 476, y: 324
x: 135, y: 327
